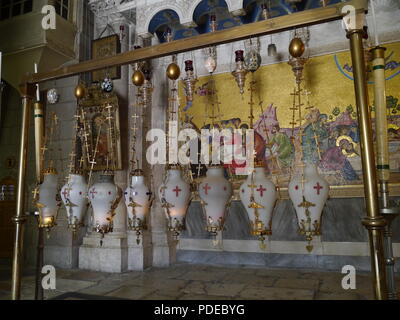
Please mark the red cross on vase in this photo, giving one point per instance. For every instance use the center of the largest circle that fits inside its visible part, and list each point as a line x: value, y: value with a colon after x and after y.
x: 206, y: 189
x: 261, y: 190
x: 93, y: 192
x: 177, y: 190
x: 318, y: 187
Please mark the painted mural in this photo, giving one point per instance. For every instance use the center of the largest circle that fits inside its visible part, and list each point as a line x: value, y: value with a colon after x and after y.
x: 330, y: 131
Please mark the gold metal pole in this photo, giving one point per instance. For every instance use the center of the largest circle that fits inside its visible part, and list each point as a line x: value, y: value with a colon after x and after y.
x: 39, y: 141
x: 374, y: 222
x: 20, y: 217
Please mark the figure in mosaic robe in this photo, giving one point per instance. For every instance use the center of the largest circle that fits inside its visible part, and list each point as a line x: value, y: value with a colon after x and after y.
x: 282, y: 147
x: 335, y: 160
x: 314, y: 132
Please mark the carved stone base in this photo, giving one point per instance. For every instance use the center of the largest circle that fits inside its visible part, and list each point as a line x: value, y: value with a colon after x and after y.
x: 111, y: 256
x: 139, y: 255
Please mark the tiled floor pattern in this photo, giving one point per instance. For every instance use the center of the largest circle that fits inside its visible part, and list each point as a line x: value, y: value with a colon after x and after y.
x: 189, y: 282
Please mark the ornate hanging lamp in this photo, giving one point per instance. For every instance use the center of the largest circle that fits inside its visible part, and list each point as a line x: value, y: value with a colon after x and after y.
x: 138, y: 197
x: 253, y: 59
x: 104, y: 197
x: 308, y: 190
x: 189, y: 83
x: 175, y: 193
x: 137, y: 76
x: 46, y: 195
x: 258, y: 193
x: 240, y: 71
x: 147, y: 89
x: 211, y: 52
x: 74, y: 193
x: 216, y: 194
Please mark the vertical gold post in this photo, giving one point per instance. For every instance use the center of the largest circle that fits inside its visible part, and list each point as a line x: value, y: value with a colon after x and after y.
x: 20, y: 217
x: 374, y: 222
x: 39, y: 141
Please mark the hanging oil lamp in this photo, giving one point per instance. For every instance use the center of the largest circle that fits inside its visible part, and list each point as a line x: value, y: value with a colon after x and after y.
x: 296, y: 50
x: 147, y: 88
x: 216, y: 194
x: 189, y: 84
x: 175, y: 197
x: 309, y: 192
x: 138, y: 200
x: 174, y: 193
x: 173, y: 70
x: 240, y: 72
x: 74, y: 193
x: 253, y: 58
x: 138, y: 76
x: 258, y: 195
x: 211, y: 52
x: 104, y: 197
x: 74, y: 197
x: 46, y: 199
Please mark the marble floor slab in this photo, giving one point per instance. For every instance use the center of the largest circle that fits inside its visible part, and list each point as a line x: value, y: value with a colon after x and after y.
x: 199, y: 282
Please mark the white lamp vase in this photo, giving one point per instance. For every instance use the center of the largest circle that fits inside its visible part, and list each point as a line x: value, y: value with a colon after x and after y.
x: 175, y: 197
x: 104, y: 197
x: 138, y: 202
x: 258, y: 195
x: 309, y: 192
x: 75, y: 199
x: 215, y: 192
x: 47, y: 202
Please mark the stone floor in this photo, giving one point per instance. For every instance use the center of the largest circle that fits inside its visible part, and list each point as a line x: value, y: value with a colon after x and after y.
x: 198, y: 282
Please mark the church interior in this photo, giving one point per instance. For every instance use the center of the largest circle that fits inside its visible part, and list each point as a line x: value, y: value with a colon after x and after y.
x: 200, y: 150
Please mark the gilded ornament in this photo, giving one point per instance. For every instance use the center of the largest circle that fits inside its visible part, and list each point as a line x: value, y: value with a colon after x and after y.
x: 173, y: 71
x: 138, y: 78
x: 296, y: 48
x: 80, y: 91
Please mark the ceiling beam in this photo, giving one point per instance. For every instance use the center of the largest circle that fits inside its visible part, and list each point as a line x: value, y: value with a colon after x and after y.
x: 256, y: 29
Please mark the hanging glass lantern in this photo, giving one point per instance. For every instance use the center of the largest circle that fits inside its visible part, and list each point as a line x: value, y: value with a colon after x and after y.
x: 175, y: 197
x: 240, y: 72
x: 253, y: 60
x: 309, y: 192
x: 47, y: 200
x: 211, y: 52
x: 104, y: 197
x: 189, y: 83
x: 75, y: 199
x: 107, y: 85
x: 52, y: 96
x: 216, y: 193
x: 138, y: 200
